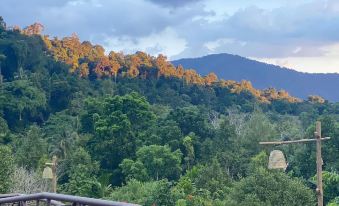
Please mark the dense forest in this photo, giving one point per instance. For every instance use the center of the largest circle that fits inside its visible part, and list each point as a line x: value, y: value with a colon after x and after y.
x: 135, y: 128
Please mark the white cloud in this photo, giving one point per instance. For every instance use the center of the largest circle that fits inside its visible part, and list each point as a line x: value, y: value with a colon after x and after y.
x: 297, y: 50
x: 328, y: 63
x: 165, y: 42
x: 214, y: 45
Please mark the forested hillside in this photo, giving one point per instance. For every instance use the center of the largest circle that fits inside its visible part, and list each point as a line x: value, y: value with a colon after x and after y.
x: 135, y: 128
x: 264, y: 75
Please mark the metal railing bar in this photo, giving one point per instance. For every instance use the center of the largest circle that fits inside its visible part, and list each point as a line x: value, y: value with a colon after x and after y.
x: 63, y: 198
x: 20, y: 198
x: 9, y: 195
x: 84, y: 200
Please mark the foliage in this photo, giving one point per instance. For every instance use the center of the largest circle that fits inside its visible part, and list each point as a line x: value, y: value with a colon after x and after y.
x: 148, y: 193
x: 334, y: 202
x: 81, y: 183
x: 6, y: 168
x: 271, y: 188
x: 330, y: 185
x: 116, y: 122
x: 134, y: 170
x: 33, y: 142
x: 158, y: 161
x: 21, y: 97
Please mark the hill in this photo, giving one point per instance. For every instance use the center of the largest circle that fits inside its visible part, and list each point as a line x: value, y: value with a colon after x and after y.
x: 264, y: 75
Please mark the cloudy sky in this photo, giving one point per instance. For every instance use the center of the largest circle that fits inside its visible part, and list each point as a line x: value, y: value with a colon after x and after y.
x: 300, y: 34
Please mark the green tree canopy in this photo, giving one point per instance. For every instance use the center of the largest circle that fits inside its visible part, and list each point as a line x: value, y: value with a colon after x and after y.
x: 271, y: 188
x: 33, y: 142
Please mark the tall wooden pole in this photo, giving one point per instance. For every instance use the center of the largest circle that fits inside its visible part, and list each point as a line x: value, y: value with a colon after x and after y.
x: 319, y: 165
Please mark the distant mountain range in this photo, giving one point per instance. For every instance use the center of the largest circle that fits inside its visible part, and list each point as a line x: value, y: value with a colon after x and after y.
x: 262, y: 75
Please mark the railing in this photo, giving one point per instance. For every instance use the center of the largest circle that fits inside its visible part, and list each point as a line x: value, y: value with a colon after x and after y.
x: 53, y: 199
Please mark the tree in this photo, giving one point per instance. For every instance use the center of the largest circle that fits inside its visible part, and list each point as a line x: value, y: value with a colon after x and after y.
x: 4, y: 131
x: 226, y: 136
x: 162, y: 65
x: 160, y: 162
x: 84, y: 69
x: 192, y: 77
x: 79, y: 174
x: 316, y: 99
x: 61, y: 134
x: 79, y: 158
x: 144, y: 193
x: 59, y: 94
x: 34, y: 29
x: 6, y: 168
x: 203, y: 185
x: 331, y: 185
x: 134, y: 63
x: 2, y: 23
x: 271, y: 188
x: 2, y: 59
x: 116, y: 122
x: 134, y: 170
x: 115, y: 61
x: 165, y: 132
x: 189, y: 120
x: 190, y: 156
x: 211, y: 78
x: 103, y: 67
x: 213, y: 178
x: 31, y: 148
x: 258, y: 128
x: 21, y: 96
x: 113, y: 137
x: 334, y: 202
x: 180, y: 71
x: 81, y: 183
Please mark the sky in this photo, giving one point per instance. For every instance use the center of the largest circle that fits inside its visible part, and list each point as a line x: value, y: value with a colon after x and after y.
x: 298, y: 34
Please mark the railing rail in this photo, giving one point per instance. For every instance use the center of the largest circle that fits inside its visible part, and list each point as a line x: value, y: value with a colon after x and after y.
x: 53, y: 199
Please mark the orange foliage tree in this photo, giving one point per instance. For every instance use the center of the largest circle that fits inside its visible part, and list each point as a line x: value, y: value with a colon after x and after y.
x: 34, y: 29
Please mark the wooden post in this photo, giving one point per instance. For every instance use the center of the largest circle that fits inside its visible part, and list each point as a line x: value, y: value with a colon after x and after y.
x: 54, y: 180
x: 319, y: 165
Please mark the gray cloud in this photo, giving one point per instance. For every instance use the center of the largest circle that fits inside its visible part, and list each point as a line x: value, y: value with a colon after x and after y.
x: 298, y: 29
x: 174, y: 3
x: 281, y: 32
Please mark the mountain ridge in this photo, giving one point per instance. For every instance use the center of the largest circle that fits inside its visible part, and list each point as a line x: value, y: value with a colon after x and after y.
x: 263, y: 75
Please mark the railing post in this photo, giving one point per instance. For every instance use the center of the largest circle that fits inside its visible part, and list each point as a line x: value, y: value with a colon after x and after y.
x: 48, y: 202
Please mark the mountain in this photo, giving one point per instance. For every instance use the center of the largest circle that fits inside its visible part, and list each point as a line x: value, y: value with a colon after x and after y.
x: 264, y: 75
